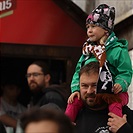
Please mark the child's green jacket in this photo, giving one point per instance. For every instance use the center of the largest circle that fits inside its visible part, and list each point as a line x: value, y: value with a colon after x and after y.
x: 119, y: 63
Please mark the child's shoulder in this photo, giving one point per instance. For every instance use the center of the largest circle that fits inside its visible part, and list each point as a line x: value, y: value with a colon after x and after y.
x: 118, y: 45
x: 114, y: 43
x: 122, y: 43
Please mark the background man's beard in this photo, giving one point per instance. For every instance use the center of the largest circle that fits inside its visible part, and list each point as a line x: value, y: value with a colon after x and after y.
x: 35, y: 87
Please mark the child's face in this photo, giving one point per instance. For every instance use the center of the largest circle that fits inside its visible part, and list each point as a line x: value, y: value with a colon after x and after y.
x: 95, y: 33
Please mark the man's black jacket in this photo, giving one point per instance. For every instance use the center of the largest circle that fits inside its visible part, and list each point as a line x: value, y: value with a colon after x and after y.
x: 90, y: 121
x: 54, y: 94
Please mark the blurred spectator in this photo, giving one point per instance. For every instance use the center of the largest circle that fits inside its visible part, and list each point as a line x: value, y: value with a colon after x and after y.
x: 38, y: 77
x: 44, y: 120
x: 10, y: 108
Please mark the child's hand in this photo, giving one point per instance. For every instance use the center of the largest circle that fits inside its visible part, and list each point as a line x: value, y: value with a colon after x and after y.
x: 117, y: 88
x: 71, y: 97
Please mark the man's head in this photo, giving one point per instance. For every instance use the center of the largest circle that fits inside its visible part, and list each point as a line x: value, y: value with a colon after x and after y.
x: 38, y: 76
x: 88, y: 82
x: 11, y: 89
x: 102, y: 16
x: 43, y: 120
x: 90, y: 90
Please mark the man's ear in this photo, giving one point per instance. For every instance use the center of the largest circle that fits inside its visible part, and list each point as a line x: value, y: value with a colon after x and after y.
x: 47, y: 77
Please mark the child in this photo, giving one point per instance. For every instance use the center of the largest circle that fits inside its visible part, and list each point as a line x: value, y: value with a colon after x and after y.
x: 112, y: 54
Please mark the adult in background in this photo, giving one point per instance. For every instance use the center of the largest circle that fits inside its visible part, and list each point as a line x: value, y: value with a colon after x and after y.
x: 44, y: 120
x: 10, y: 107
x: 43, y: 92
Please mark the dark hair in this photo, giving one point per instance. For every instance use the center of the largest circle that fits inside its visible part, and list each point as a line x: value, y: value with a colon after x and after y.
x: 42, y: 114
x: 9, y: 81
x: 43, y: 65
x: 92, y: 67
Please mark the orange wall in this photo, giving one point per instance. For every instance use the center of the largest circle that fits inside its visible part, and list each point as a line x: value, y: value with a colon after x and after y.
x: 40, y: 22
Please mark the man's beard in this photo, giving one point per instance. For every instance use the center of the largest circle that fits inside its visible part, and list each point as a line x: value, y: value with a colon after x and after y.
x: 34, y: 87
x: 95, y: 103
x: 90, y: 99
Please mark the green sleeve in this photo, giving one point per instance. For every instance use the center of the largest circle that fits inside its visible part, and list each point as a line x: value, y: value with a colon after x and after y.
x: 75, y: 79
x: 123, y: 68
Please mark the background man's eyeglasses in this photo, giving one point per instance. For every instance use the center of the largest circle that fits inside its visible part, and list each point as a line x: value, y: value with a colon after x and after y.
x: 28, y: 75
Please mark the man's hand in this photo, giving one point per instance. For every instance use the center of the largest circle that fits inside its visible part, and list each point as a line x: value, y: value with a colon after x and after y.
x: 115, y: 122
